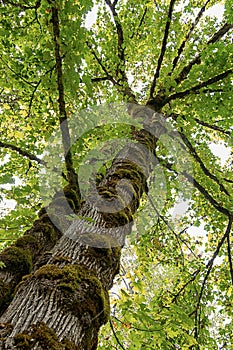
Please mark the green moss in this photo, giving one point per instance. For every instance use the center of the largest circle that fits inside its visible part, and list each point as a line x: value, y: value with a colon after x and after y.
x: 61, y: 259
x: 42, y: 211
x: 27, y: 241
x: 106, y: 249
x: 42, y: 335
x: 6, y: 329
x: 17, y: 259
x: 23, y: 341
x: 69, y: 280
x: 72, y: 193
x: 119, y: 218
x: 5, y: 296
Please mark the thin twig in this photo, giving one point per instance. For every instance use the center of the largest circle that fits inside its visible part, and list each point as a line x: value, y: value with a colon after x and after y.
x: 115, y: 335
x: 17, y: 74
x: 22, y: 7
x: 200, y: 162
x: 184, y: 42
x: 230, y: 256
x: 195, y: 183
x: 135, y: 33
x: 22, y: 152
x: 32, y: 97
x: 210, y: 263
x: 194, y: 275
x: 212, y: 126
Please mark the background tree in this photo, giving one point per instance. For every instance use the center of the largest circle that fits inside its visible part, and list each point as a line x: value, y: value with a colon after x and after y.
x: 176, y: 60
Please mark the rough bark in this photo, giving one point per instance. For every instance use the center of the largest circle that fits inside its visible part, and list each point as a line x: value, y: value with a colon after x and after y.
x: 63, y: 303
x: 28, y: 249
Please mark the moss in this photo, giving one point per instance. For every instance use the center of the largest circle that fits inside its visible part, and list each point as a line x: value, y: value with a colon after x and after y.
x: 27, y: 241
x: 6, y: 329
x: 117, y: 219
x: 23, y: 341
x: 72, y: 193
x: 5, y: 296
x: 61, y: 259
x: 42, y: 335
x: 17, y: 259
x: 70, y: 280
x: 42, y: 211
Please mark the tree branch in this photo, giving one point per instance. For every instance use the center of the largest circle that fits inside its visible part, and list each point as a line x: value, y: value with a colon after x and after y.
x: 71, y: 174
x: 140, y: 23
x: 194, y: 275
x: 32, y: 97
x: 23, y: 7
x: 22, y: 152
x: 96, y: 80
x: 196, y: 184
x: 211, y: 261
x: 120, y: 34
x: 115, y: 335
x: 17, y: 74
x: 99, y: 61
x: 210, y: 199
x: 196, y: 88
x: 212, y: 126
x: 200, y: 162
x: 182, y: 46
x: 197, y: 60
x: 163, y: 48
x: 229, y: 256
x: 122, y: 80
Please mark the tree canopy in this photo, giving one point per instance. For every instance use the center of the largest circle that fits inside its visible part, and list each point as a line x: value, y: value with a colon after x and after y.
x: 66, y: 58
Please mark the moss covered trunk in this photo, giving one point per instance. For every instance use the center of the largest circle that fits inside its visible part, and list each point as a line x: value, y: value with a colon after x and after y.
x: 64, y: 301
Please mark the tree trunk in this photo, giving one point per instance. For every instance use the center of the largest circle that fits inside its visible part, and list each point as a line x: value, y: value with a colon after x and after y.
x: 63, y: 304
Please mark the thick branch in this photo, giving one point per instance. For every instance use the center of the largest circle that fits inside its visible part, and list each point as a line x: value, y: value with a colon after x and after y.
x: 120, y: 34
x: 98, y: 79
x: 197, y: 60
x: 163, y: 48
x: 72, y: 284
x: 198, y: 87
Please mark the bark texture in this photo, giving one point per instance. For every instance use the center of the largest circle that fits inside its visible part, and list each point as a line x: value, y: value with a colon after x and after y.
x: 63, y: 303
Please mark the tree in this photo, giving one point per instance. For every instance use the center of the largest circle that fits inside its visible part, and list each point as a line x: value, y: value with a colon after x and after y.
x: 166, y: 68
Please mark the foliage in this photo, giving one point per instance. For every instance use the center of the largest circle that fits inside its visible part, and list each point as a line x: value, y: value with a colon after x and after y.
x: 175, y: 287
